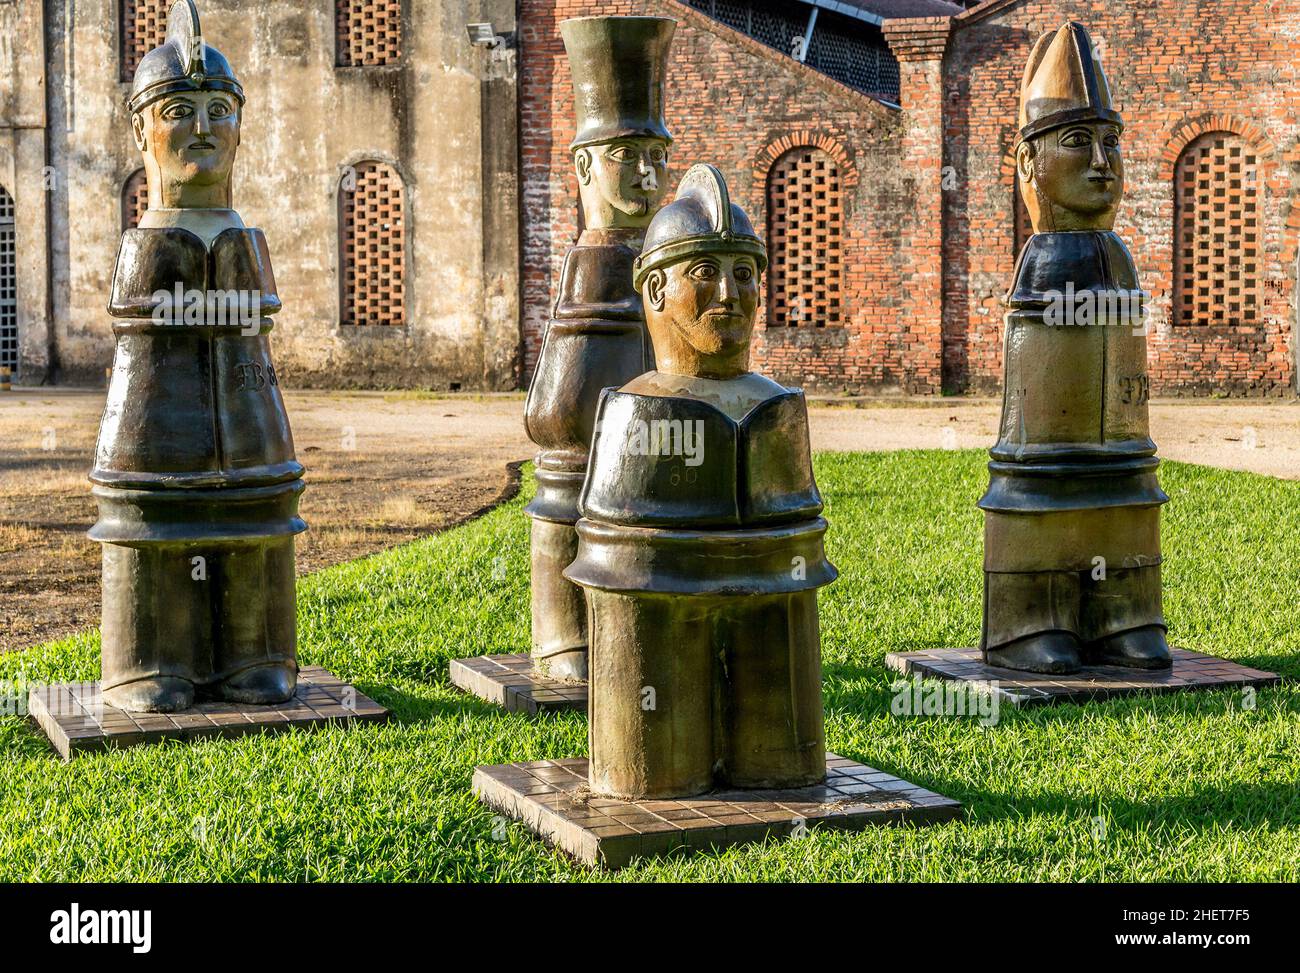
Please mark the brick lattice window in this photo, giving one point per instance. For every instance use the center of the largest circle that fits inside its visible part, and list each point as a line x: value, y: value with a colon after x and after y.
x: 368, y: 32
x: 372, y: 251
x: 1217, y: 246
x: 805, y: 214
x: 8, y: 282
x: 135, y: 199
x: 143, y: 27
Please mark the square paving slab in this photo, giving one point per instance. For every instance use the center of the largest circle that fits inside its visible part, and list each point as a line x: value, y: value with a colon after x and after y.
x: 552, y: 798
x: 77, y: 720
x: 510, y: 681
x: 1191, y: 670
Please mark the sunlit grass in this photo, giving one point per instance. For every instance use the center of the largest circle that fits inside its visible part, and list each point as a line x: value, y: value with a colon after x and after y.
x: 1182, y: 787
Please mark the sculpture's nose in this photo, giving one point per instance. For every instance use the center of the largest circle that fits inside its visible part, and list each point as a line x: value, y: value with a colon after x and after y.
x: 1099, y: 160
x: 648, y: 178
x: 202, y: 124
x: 729, y: 289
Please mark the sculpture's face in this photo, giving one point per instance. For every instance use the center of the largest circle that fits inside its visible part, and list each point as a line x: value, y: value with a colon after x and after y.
x: 191, y: 138
x: 700, y: 312
x: 1073, y: 177
x: 622, y: 182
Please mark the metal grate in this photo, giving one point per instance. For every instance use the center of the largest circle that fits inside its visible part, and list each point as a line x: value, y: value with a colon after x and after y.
x: 1217, y: 247
x: 851, y: 51
x: 373, y: 250
x: 368, y: 32
x: 804, y: 228
x: 143, y: 27
x: 8, y: 283
x: 135, y: 199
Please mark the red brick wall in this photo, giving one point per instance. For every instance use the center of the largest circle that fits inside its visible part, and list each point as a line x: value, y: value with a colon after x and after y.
x: 739, y: 105
x: 1177, y: 68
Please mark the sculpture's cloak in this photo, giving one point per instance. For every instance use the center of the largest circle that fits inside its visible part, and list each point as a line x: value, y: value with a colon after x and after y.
x: 195, y: 442
x: 1073, y: 474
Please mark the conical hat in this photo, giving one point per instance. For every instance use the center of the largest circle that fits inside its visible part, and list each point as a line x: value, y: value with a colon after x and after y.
x: 1064, y: 84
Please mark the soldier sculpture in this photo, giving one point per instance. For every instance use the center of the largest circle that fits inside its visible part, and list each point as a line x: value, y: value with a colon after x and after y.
x: 700, y: 546
x: 1072, y: 512
x: 596, y: 338
x: 194, y: 474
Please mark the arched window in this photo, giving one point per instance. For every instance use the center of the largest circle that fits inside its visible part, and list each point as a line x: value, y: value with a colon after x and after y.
x: 372, y: 250
x: 135, y: 199
x: 143, y: 27
x: 367, y: 32
x: 8, y: 283
x: 805, y: 213
x: 1217, y: 248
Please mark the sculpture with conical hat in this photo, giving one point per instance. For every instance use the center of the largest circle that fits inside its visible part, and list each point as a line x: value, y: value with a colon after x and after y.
x: 1072, y: 513
x: 596, y: 336
x: 195, y: 475
x: 700, y: 547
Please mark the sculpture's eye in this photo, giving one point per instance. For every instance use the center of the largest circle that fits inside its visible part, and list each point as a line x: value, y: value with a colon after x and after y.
x: 1076, y: 140
x: 1112, y: 141
x: 623, y: 153
x: 744, y: 273
x: 218, y: 109
x: 704, y: 270
x: 177, y: 111
x: 658, y: 156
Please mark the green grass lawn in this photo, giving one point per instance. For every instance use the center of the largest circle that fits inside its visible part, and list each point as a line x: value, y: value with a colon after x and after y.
x: 1169, y: 788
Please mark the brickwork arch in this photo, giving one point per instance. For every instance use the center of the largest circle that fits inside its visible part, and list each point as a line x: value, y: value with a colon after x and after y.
x: 372, y: 245
x: 805, y: 138
x: 805, y: 239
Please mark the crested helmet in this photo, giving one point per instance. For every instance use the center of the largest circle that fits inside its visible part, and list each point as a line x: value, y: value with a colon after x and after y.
x: 184, y: 62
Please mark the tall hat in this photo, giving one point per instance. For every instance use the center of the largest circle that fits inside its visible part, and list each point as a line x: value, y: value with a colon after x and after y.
x: 184, y: 62
x: 618, y: 66
x: 702, y: 218
x: 1064, y: 84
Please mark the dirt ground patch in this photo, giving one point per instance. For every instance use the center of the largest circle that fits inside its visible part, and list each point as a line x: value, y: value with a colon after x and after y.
x: 383, y: 469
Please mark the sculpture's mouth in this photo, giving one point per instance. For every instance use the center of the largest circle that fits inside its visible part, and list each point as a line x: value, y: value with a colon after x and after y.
x: 201, y: 145
x: 1104, y: 180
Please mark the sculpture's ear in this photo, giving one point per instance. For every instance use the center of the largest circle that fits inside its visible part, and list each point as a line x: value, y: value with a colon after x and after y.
x: 1025, y: 162
x: 653, y: 291
x: 582, y: 160
x: 137, y: 130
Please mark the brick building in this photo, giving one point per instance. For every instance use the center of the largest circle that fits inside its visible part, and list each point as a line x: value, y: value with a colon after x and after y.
x: 888, y: 196
x: 409, y: 162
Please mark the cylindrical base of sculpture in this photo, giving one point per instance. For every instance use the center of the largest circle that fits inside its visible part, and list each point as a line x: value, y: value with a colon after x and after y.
x: 202, y: 612
x: 692, y: 692
x: 559, y: 608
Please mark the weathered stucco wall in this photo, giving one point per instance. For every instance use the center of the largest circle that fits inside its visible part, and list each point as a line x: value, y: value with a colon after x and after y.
x: 22, y: 162
x: 307, y: 120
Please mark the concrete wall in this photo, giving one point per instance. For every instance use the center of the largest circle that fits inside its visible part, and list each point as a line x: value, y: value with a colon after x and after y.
x: 305, y: 122
x: 22, y: 164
